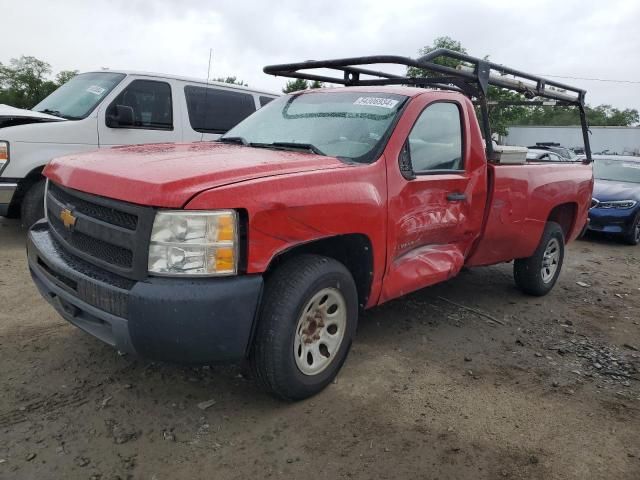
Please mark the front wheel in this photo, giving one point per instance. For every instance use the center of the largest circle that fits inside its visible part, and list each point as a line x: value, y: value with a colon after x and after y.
x: 32, y: 208
x: 308, y: 320
x: 537, y: 274
x: 632, y: 237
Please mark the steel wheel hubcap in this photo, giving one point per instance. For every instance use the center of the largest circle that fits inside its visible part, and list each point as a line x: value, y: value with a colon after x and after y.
x: 320, y: 331
x: 550, y: 260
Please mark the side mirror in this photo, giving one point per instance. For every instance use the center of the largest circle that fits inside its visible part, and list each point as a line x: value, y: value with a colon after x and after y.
x: 120, y: 116
x: 404, y: 162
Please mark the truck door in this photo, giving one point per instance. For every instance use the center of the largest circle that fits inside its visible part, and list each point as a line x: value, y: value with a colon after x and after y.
x: 436, y: 214
x: 145, y: 111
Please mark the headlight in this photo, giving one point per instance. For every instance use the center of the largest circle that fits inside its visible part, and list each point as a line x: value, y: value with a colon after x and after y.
x: 194, y: 243
x: 4, y: 155
x: 618, y: 204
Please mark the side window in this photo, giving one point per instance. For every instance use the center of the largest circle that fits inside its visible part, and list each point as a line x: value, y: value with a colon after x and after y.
x: 265, y: 100
x: 216, y: 111
x: 142, y: 104
x: 435, y: 142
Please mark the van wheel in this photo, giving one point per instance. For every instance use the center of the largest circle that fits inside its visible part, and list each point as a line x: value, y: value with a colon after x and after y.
x: 32, y: 208
x: 632, y: 237
x: 308, y: 320
x: 537, y: 274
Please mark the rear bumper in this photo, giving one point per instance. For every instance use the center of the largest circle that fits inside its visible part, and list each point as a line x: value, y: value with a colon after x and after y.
x: 611, y: 220
x: 168, y: 319
x: 7, y: 190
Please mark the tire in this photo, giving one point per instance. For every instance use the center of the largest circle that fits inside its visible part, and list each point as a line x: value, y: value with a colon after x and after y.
x: 534, y: 275
x: 32, y: 208
x: 285, y: 336
x: 632, y: 237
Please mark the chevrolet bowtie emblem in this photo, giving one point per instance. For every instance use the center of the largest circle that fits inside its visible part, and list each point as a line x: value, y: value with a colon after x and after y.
x: 67, y: 218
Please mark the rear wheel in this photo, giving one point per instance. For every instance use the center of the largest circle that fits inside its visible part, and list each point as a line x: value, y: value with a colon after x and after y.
x: 632, y: 237
x: 32, y: 208
x: 537, y: 274
x: 307, y: 323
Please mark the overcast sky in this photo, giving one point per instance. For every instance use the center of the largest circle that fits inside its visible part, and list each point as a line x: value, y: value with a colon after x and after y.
x: 591, y: 39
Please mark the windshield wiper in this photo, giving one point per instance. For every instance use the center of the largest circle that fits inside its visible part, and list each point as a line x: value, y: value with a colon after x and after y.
x: 55, y: 113
x: 297, y: 146
x: 275, y: 145
x: 237, y: 140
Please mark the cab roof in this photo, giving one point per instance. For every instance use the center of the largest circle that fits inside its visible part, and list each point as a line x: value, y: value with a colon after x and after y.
x: 201, y: 81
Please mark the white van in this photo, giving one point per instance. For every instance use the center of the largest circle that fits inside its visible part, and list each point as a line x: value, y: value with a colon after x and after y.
x: 107, y: 108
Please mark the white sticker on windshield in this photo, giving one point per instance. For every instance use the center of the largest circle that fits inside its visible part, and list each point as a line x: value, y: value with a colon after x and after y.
x: 96, y: 90
x: 376, y: 102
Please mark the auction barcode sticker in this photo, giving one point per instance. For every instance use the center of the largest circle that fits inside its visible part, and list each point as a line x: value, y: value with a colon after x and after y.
x: 96, y: 90
x: 376, y: 102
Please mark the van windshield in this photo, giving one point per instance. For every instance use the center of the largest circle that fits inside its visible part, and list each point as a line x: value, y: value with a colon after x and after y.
x: 348, y: 125
x: 79, y: 96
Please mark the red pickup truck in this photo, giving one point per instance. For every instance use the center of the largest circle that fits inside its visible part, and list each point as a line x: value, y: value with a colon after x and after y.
x: 265, y: 245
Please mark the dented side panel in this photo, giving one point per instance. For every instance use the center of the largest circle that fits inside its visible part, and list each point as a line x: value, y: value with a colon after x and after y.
x: 429, y: 233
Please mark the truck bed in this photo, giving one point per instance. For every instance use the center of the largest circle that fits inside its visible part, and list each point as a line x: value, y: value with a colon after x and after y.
x: 522, y: 198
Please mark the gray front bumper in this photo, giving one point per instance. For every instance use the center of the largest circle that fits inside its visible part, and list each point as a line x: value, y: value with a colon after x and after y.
x: 6, y: 194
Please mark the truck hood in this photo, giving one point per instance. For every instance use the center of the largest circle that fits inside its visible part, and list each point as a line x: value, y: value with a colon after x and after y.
x: 168, y: 175
x: 11, y: 116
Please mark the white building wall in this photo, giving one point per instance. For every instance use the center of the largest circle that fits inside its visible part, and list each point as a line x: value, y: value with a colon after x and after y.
x: 621, y: 140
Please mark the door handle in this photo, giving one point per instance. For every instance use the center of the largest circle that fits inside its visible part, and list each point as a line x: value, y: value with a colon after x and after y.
x: 456, y: 197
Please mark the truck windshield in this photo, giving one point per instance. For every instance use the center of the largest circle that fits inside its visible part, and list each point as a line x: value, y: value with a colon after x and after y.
x: 79, y: 96
x: 617, y: 170
x: 348, y: 125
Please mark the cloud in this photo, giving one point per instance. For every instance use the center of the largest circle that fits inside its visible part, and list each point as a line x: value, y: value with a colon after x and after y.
x: 590, y: 39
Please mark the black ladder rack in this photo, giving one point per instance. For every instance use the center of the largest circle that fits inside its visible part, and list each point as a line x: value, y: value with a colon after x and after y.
x: 472, y: 78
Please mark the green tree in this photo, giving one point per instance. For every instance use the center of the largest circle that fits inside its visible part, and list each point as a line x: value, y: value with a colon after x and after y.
x: 23, y: 83
x: 316, y: 84
x: 499, y: 117
x: 233, y: 80
x: 295, y: 85
x: 601, y: 115
x: 503, y: 116
x: 440, y: 42
x: 64, y: 76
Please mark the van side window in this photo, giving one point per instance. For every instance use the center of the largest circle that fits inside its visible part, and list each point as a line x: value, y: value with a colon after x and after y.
x: 216, y: 111
x: 265, y: 100
x: 435, y: 142
x: 144, y: 104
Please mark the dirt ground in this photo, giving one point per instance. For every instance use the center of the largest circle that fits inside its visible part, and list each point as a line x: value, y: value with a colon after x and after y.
x: 548, y: 389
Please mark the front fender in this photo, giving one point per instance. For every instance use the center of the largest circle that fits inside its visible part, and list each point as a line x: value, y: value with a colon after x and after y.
x: 289, y: 210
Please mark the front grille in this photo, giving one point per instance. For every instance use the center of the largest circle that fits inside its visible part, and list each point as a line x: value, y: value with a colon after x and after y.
x: 108, y: 233
x: 109, y: 215
x: 94, y: 246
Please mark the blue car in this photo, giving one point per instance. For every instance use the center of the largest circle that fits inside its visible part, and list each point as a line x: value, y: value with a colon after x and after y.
x: 615, y: 207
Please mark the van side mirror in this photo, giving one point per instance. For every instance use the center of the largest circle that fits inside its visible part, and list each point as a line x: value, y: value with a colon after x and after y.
x: 404, y: 162
x: 120, y: 116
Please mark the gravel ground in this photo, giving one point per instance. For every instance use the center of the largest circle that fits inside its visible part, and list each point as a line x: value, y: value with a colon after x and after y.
x: 550, y: 388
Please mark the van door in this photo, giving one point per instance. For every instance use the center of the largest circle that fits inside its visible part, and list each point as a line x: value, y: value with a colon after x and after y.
x: 434, y: 217
x: 213, y: 111
x: 145, y: 111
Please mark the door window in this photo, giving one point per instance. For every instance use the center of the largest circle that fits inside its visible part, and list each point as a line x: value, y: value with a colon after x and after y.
x: 435, y: 142
x: 216, y: 111
x: 264, y: 100
x: 144, y: 104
